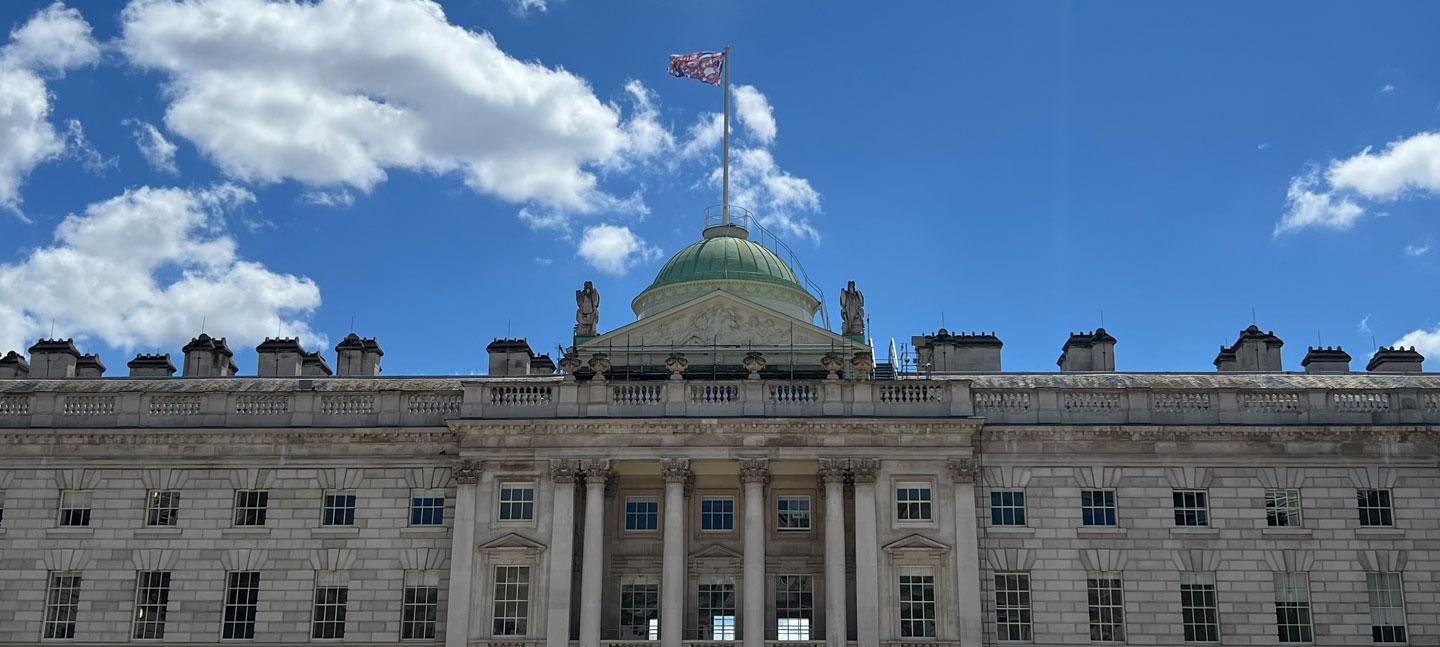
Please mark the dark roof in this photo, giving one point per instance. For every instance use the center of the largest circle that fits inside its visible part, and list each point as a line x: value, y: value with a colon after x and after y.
x: 353, y: 341
x: 518, y: 345
x: 206, y: 342
x: 92, y: 360
x: 1088, y: 338
x: 158, y: 360
x: 1325, y: 354
x: 542, y: 363
x: 315, y: 359
x: 961, y: 339
x: 280, y: 345
x: 15, y: 358
x: 66, y: 346
x: 1394, y: 354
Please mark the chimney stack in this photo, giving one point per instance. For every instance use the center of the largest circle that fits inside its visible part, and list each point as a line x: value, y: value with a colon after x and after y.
x: 542, y: 365
x: 89, y: 366
x: 943, y: 352
x: 52, y: 359
x: 510, y: 357
x: 13, y: 364
x: 1324, y: 359
x: 280, y: 357
x: 1396, y: 360
x: 1093, y: 352
x: 314, y: 364
x: 206, y: 356
x: 357, y: 356
x: 157, y: 365
x: 1254, y: 351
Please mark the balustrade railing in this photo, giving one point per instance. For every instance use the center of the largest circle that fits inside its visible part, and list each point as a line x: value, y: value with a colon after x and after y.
x: 433, y: 403
x: 637, y: 394
x: 1270, y: 402
x: 909, y: 393
x: 714, y: 393
x: 1009, y: 401
x: 520, y: 396
x: 262, y: 405
x: 1179, y: 401
x: 1091, y: 401
x: 15, y: 405
x: 1361, y: 401
x: 794, y: 393
x: 89, y: 405
x: 347, y: 404
x: 165, y: 406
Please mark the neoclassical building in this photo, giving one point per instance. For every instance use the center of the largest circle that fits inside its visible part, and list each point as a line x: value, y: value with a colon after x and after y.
x: 721, y: 471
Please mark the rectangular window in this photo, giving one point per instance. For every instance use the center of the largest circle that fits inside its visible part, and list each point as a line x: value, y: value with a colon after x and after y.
x: 912, y: 501
x: 250, y: 507
x: 1282, y: 508
x: 517, y: 502
x: 717, y: 611
x: 162, y: 507
x: 1007, y: 508
x: 512, y: 600
x: 74, y: 508
x: 419, y: 605
x: 242, y: 599
x: 339, y: 509
x: 1107, y: 607
x: 717, y: 513
x: 642, y: 513
x: 1012, y: 606
x: 917, y: 605
x: 794, y: 606
x: 1387, y: 607
x: 794, y: 513
x: 1192, y: 508
x: 152, y: 600
x: 427, y: 509
x: 1198, y: 609
x: 1097, y: 507
x: 327, y: 621
x: 640, y: 611
x: 62, y: 604
x: 1292, y: 608
x: 1374, y: 507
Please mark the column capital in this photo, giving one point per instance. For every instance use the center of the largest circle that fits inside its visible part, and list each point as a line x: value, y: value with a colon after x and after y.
x: 597, y: 471
x: 675, y: 470
x: 564, y: 471
x: 832, y: 470
x: 964, y: 470
x: 864, y: 470
x: 467, y: 472
x: 754, y: 470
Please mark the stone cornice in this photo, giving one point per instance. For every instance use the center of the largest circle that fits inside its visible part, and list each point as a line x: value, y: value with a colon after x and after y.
x: 1217, y: 433
x: 623, y: 426
x: 260, y: 436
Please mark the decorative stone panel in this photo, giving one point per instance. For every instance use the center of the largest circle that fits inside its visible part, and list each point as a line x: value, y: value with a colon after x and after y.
x: 164, y: 478
x: 332, y: 559
x: 66, y: 559
x: 1382, y: 561
x: 1290, y: 561
x: 1189, y: 477
x: 76, y: 479
x: 1197, y: 560
x: 1095, y: 477
x: 253, y: 478
x: 1006, y: 476
x: 340, y: 478
x: 1360, y: 401
x: 427, y: 478
x: 422, y: 559
x: 1103, y: 560
x: 1375, y: 477
x: 154, y: 560
x: 1010, y: 559
x: 1280, y: 477
x: 244, y: 559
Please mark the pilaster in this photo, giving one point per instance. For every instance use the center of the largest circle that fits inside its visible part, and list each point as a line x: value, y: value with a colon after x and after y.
x: 462, y: 553
x: 967, y: 552
x: 561, y: 553
x: 863, y: 472
x: 832, y: 475
x: 677, y: 475
x: 754, y: 474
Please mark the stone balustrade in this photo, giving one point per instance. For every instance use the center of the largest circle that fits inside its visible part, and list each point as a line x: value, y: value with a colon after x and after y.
x: 1000, y: 399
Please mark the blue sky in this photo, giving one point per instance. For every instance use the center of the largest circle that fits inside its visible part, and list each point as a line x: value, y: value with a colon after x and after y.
x: 1015, y: 167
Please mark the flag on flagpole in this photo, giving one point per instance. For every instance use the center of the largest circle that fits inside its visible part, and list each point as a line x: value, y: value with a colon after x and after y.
x: 706, y: 67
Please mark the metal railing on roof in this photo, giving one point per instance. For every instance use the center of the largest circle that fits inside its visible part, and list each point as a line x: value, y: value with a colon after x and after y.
x: 744, y: 219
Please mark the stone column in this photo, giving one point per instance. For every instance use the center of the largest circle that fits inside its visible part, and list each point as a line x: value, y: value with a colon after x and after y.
x: 754, y: 472
x: 676, y: 472
x: 832, y: 478
x: 867, y: 553
x: 462, y: 553
x: 967, y: 552
x: 592, y: 574
x: 561, y: 553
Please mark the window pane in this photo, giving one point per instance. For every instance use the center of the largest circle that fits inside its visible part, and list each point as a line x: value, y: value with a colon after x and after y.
x: 794, y: 606
x: 1292, y: 608
x: 1012, y: 606
x: 639, y: 611
x: 328, y: 617
x: 517, y: 502
x: 1107, y: 608
x: 1198, y: 609
x: 62, y: 604
x: 512, y: 601
x: 242, y: 598
x: 717, y: 611
x: 152, y: 601
x: 1387, y: 607
x: 794, y: 513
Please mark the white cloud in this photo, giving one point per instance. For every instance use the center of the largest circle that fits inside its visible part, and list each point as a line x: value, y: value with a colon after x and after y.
x: 1387, y: 88
x: 1364, y: 324
x: 56, y: 39
x: 340, y: 198
x: 1412, y: 163
x: 1417, y: 250
x: 614, y: 249
x: 78, y: 147
x: 1311, y: 208
x: 755, y: 114
x: 522, y: 7
x: 158, y: 151
x: 1406, y: 166
x: 337, y: 93
x: 145, y: 269
x: 1427, y: 342
x: 778, y: 199
x: 543, y: 262
x: 703, y: 135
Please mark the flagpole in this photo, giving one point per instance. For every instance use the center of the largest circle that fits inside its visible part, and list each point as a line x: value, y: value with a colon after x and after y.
x: 725, y: 174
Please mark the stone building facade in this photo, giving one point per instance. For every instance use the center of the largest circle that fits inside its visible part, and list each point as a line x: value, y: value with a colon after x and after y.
x: 719, y: 472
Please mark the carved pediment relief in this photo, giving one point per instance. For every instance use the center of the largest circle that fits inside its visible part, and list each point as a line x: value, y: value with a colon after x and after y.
x: 720, y: 319
x: 915, y: 545
x: 715, y: 551
x: 512, y: 543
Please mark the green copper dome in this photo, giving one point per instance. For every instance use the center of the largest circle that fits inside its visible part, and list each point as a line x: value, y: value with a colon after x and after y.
x: 725, y: 257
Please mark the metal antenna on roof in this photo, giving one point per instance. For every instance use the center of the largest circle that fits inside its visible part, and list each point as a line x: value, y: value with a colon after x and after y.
x: 1252, y: 315
x: 202, y: 325
x: 352, y: 323
x: 52, y: 327
x: 1102, y: 318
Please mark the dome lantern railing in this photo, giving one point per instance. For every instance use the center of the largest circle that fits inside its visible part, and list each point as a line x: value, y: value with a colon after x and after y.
x: 744, y: 222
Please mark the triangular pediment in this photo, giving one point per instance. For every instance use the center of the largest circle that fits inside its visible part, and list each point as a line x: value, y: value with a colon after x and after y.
x: 915, y: 543
x: 715, y: 551
x: 512, y: 542
x: 720, y: 319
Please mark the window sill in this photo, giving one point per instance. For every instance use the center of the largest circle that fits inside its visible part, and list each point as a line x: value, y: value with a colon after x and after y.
x: 425, y: 530
x: 1195, y: 531
x: 245, y: 531
x: 335, y: 531
x: 70, y: 531
x: 1100, y: 531
x: 1379, y: 531
x: 1009, y: 530
x: 157, y: 531
x: 1284, y: 531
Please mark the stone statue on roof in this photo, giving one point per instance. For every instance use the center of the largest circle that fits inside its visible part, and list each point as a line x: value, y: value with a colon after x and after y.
x: 587, y: 310
x: 852, y: 311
